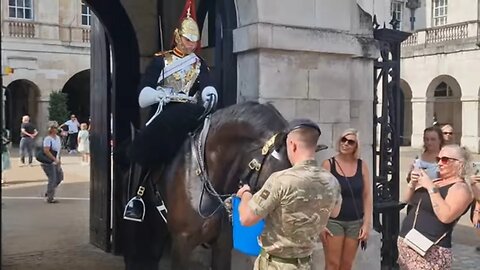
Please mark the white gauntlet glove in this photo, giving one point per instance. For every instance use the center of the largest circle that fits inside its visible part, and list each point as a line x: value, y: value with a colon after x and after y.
x: 149, y: 96
x: 209, y: 93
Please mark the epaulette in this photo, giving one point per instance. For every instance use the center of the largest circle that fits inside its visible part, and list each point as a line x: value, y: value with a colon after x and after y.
x: 162, y: 53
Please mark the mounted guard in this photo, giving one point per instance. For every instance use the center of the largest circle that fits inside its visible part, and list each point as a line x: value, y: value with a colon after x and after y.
x: 178, y: 81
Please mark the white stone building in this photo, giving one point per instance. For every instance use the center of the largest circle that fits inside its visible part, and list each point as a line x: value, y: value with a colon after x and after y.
x: 47, y: 43
x: 440, y: 69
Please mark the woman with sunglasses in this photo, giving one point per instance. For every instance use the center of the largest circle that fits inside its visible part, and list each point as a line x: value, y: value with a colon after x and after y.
x: 433, y: 141
x: 351, y: 227
x: 436, y: 208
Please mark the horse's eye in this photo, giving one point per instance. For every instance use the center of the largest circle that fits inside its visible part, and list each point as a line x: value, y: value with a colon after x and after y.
x: 276, y: 155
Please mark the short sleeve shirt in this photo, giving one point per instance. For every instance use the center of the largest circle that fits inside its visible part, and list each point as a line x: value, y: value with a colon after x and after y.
x: 296, y: 204
x: 29, y: 128
x: 54, y: 143
x: 72, y: 126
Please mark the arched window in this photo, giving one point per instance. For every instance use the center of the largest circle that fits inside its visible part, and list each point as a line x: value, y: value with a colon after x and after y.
x: 443, y: 90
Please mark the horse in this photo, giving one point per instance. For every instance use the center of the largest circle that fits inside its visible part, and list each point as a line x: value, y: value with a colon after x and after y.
x: 245, y: 144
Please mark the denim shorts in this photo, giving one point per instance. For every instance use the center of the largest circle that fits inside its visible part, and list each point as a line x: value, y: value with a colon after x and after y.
x: 350, y: 229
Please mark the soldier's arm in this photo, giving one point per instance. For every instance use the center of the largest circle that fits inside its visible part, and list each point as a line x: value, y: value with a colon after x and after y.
x: 150, y: 77
x: 255, y: 207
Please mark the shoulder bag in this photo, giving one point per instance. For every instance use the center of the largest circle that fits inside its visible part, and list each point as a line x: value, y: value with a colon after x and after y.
x: 417, y: 241
x: 41, y: 157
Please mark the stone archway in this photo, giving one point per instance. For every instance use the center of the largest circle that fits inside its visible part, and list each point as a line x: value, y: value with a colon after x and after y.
x: 445, y: 106
x: 21, y: 99
x: 406, y: 112
x: 77, y: 89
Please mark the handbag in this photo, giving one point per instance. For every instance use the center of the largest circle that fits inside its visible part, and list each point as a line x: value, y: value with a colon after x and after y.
x: 41, y: 157
x: 417, y: 241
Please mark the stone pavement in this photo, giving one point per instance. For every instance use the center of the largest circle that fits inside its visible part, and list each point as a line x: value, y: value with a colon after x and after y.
x: 39, y: 236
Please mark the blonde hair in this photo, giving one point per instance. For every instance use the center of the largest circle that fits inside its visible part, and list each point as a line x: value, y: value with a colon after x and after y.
x: 466, y: 158
x: 350, y: 131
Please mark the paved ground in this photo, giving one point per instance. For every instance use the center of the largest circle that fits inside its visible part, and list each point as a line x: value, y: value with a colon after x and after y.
x: 39, y: 236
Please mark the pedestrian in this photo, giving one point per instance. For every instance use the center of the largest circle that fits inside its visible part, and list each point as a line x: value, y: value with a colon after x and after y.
x: 53, y: 169
x: 433, y: 141
x: 73, y: 126
x: 27, y: 142
x: 425, y: 238
x: 84, y: 143
x: 448, y: 134
x: 6, y: 165
x: 296, y: 203
x: 352, y: 226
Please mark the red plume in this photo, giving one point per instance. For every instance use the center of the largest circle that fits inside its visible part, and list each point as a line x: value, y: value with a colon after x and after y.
x: 193, y: 12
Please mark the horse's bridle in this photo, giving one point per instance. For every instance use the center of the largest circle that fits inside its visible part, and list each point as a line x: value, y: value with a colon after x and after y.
x: 255, y: 167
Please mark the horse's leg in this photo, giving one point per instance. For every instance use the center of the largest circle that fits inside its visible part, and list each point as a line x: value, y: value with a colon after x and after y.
x: 222, y: 248
x: 182, y: 248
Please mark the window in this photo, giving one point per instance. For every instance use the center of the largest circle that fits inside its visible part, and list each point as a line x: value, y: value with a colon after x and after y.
x: 86, y: 15
x: 439, y: 12
x: 443, y: 90
x: 20, y: 9
x: 396, y: 10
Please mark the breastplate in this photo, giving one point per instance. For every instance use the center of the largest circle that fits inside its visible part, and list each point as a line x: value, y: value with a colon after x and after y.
x: 182, y: 80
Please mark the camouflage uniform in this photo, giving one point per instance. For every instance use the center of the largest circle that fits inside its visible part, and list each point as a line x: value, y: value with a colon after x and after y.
x: 296, y: 204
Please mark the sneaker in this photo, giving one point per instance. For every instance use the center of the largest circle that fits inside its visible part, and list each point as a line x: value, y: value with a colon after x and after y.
x: 30, y: 165
x: 48, y: 200
x: 22, y: 165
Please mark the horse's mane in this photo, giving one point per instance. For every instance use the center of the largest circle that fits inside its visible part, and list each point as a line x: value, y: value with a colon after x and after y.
x: 263, y: 119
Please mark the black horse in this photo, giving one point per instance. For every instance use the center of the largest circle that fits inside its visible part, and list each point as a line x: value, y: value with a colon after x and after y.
x: 245, y: 144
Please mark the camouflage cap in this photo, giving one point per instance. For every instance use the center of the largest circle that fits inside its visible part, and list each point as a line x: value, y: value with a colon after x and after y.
x: 302, y: 123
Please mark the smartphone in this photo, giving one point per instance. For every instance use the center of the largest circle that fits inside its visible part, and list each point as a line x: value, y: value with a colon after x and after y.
x: 363, y: 245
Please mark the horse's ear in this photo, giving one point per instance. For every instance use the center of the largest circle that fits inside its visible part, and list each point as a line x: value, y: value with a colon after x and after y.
x: 280, y: 140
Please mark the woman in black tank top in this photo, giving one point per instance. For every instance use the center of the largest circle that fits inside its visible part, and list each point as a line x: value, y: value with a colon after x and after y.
x: 352, y: 225
x: 438, y: 206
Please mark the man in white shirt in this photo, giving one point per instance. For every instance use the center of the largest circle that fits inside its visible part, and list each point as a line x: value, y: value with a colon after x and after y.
x: 73, y: 126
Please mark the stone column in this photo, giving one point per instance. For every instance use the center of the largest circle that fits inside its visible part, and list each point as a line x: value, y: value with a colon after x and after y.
x: 471, y: 123
x: 311, y: 63
x: 422, y: 115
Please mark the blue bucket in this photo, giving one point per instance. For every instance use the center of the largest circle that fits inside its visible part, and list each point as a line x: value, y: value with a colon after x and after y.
x: 245, y: 239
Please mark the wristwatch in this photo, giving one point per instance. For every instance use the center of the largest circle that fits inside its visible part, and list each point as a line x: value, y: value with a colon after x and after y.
x: 433, y: 190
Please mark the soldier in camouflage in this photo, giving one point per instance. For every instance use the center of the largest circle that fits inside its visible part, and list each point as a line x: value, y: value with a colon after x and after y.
x: 296, y: 203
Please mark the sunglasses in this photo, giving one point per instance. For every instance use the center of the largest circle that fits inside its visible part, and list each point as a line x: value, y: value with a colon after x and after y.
x: 448, y: 133
x: 445, y: 159
x: 348, y: 141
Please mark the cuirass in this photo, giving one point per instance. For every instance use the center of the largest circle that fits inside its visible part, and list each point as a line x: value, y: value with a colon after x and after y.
x: 182, y: 80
